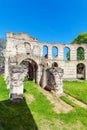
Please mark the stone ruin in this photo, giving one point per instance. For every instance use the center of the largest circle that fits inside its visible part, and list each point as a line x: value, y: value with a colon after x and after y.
x: 24, y: 57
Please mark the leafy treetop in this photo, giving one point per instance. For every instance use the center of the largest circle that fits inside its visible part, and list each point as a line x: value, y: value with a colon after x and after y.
x: 81, y: 38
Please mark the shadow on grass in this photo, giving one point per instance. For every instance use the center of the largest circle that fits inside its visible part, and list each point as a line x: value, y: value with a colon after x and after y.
x: 16, y: 116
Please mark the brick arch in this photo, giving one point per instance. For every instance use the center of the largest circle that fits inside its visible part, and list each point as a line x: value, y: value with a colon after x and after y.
x: 82, y: 46
x: 25, y: 57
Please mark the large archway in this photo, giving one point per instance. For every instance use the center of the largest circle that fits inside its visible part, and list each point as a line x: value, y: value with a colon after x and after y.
x: 31, y: 67
x: 81, y: 71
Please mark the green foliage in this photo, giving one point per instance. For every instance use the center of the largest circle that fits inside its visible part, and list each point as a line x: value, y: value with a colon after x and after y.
x: 81, y: 38
x: 2, y: 43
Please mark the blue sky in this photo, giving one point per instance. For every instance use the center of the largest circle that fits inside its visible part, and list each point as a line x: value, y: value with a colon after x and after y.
x: 48, y: 20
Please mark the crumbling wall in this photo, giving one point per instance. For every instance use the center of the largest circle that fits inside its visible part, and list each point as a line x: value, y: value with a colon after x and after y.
x: 20, y: 47
x: 54, y: 80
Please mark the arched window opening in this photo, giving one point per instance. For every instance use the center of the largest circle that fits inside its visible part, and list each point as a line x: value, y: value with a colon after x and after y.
x: 54, y: 64
x: 54, y: 51
x: 80, y: 53
x: 81, y: 71
x: 45, y: 51
x: 66, y: 53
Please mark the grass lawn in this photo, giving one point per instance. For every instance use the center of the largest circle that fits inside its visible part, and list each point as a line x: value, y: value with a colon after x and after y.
x: 36, y: 113
x: 76, y: 89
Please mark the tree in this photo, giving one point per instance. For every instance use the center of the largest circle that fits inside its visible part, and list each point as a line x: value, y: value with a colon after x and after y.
x: 81, y: 38
x: 2, y: 46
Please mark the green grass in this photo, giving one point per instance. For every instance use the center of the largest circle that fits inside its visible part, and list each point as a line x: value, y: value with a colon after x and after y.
x: 36, y: 113
x: 4, y: 93
x: 68, y: 101
x: 76, y: 89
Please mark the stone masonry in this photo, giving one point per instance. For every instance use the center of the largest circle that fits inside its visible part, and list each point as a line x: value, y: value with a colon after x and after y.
x: 24, y: 57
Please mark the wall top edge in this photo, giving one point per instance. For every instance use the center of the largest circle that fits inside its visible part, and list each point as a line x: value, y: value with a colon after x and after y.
x: 24, y: 36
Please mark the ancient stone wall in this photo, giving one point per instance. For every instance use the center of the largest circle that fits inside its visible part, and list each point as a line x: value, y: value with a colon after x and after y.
x: 21, y: 47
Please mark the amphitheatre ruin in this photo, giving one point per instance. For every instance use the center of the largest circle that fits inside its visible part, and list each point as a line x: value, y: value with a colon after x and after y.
x: 25, y: 56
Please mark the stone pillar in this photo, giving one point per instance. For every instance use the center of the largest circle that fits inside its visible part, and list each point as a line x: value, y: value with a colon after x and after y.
x: 85, y: 54
x: 7, y: 77
x: 38, y: 74
x: 44, y: 78
x: 16, y: 84
x: 59, y: 88
x: 34, y: 76
x: 6, y: 68
x: 60, y: 53
x: 49, y: 52
x: 73, y: 53
x: 58, y: 80
x: 54, y: 80
x: 85, y: 72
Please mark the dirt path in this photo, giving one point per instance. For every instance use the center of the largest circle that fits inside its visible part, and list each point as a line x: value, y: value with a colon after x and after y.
x: 59, y: 105
x: 76, y: 101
